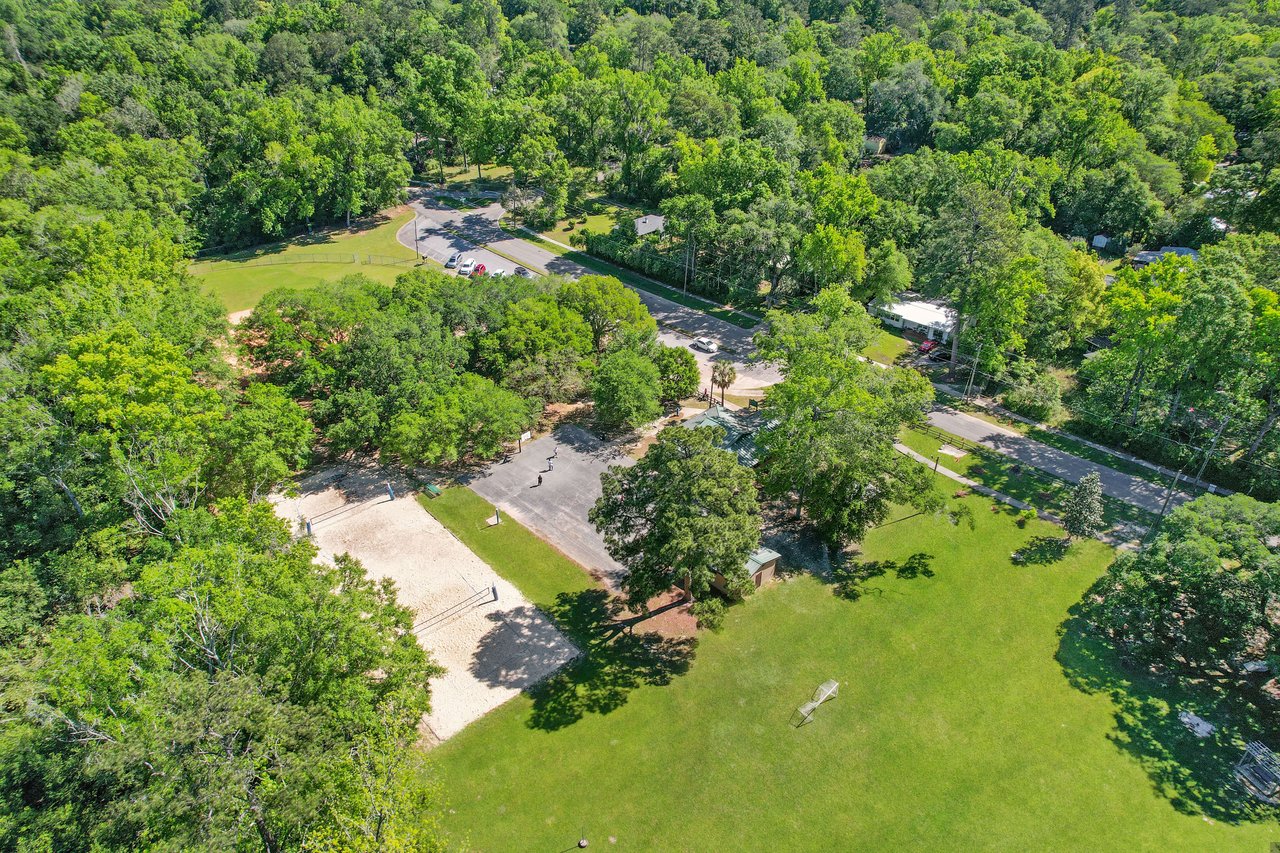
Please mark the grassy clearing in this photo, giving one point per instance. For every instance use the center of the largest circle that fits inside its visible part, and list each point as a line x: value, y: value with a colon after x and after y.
x: 601, y: 216
x: 240, y: 280
x: 1009, y: 477
x: 973, y: 714
x: 886, y: 347
x: 538, y: 570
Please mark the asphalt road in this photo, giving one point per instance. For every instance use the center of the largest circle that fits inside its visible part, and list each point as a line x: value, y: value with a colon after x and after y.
x: 444, y: 230
x: 557, y: 509
x: 1132, y: 490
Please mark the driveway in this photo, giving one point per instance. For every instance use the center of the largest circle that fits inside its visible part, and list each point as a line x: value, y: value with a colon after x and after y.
x: 1125, y: 487
x: 557, y: 510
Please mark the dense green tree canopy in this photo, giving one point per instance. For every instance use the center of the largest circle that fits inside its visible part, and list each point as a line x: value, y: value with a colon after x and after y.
x: 682, y: 514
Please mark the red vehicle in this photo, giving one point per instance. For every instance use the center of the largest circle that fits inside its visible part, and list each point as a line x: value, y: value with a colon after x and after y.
x: 928, y: 346
x: 479, y: 270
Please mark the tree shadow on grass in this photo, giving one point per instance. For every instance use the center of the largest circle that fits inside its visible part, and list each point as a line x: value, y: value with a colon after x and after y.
x: 1042, y: 551
x: 851, y: 579
x: 614, y: 662
x: 1194, y: 774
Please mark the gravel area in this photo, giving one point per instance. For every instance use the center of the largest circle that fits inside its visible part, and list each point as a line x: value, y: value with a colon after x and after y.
x: 492, y: 642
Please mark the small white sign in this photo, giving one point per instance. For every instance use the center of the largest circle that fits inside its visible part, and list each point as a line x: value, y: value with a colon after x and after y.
x: 526, y: 436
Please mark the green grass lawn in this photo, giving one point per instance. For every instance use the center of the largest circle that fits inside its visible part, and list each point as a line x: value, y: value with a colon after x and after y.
x: 973, y: 714
x: 538, y: 570
x: 240, y: 280
x: 887, y: 346
x: 602, y: 215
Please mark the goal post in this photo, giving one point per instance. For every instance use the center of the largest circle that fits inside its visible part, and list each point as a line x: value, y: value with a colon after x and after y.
x: 825, y: 691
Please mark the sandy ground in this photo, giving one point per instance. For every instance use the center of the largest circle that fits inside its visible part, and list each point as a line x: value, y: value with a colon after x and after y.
x: 492, y: 642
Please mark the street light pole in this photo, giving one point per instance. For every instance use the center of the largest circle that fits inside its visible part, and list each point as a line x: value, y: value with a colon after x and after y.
x: 415, y: 235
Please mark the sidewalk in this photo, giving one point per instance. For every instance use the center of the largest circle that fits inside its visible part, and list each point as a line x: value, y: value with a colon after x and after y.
x: 1109, y: 538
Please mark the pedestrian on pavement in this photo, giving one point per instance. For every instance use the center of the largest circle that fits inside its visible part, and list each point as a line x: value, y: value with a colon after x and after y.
x: 556, y: 454
x: 539, y: 479
x: 551, y: 464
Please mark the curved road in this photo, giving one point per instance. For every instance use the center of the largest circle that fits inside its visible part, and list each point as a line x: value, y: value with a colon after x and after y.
x: 443, y: 230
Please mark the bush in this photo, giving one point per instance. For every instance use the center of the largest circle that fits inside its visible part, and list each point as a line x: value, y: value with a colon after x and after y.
x: 709, y: 613
x: 1037, y: 396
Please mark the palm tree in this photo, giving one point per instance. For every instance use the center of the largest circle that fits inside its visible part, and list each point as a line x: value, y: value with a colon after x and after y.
x: 723, y: 374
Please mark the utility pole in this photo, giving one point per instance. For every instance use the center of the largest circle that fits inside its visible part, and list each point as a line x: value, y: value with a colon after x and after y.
x: 415, y: 235
x: 1173, y: 487
x: 973, y: 372
x: 1212, y: 447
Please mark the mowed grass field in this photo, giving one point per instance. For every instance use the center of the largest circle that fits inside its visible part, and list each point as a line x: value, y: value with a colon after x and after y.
x: 974, y: 714
x: 242, y: 279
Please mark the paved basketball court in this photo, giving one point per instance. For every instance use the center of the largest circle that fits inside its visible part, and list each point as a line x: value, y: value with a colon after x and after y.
x: 557, y: 510
x: 492, y: 641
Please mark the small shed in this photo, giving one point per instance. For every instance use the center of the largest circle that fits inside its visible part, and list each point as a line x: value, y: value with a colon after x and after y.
x: 651, y: 223
x: 934, y: 320
x: 873, y: 146
x: 761, y: 566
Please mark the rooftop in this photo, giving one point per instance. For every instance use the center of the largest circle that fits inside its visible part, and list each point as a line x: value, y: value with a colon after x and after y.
x: 650, y: 223
x: 739, y: 431
x: 759, y: 558
x: 920, y: 312
x: 1152, y: 256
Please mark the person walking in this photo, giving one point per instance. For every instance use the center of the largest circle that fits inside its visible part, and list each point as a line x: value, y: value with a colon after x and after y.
x: 539, y: 479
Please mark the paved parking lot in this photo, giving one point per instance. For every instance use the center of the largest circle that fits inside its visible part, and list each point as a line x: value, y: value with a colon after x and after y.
x: 557, y: 510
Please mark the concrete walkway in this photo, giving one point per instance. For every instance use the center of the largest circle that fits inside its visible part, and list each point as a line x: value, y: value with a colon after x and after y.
x: 1126, y: 539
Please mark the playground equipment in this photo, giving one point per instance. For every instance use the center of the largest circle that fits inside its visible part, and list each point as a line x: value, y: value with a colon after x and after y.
x: 1258, y: 770
x: 480, y: 596
x: 804, y: 714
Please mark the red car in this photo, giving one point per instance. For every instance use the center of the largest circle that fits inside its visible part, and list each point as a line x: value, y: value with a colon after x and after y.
x: 928, y: 346
x: 479, y: 270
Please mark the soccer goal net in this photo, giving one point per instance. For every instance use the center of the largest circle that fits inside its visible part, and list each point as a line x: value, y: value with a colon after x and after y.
x: 826, y: 690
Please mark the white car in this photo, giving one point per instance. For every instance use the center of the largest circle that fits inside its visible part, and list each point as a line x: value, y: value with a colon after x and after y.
x: 706, y: 345
x: 453, y: 260
x: 466, y: 265
x: 498, y: 273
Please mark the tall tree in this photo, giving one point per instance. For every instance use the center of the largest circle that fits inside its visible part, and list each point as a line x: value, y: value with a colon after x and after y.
x: 685, y: 512
x: 1082, y: 513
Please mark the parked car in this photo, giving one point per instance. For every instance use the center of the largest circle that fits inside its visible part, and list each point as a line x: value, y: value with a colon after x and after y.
x: 498, y: 273
x: 706, y: 345
x: 453, y: 260
x: 927, y: 347
x: 466, y: 265
x: 479, y: 270
x: 523, y: 273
